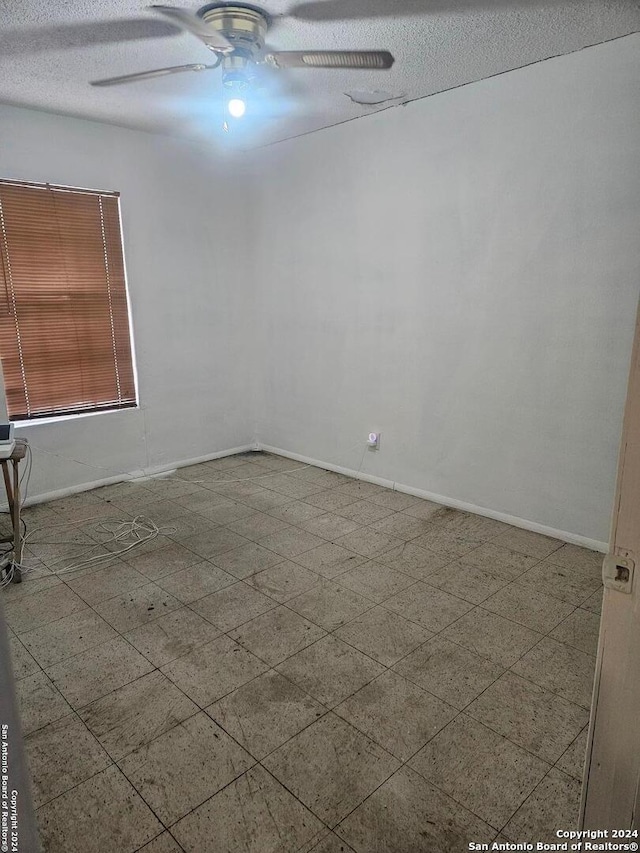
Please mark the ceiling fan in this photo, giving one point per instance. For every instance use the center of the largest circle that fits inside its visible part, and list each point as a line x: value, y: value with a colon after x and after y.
x: 236, y: 35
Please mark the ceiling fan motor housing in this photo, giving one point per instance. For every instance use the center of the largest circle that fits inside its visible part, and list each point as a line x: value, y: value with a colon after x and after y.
x: 244, y: 26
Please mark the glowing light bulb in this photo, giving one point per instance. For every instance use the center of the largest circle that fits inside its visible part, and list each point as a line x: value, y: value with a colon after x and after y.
x: 236, y: 107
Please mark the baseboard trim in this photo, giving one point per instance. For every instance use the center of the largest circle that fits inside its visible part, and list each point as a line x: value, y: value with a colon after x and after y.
x: 139, y: 476
x: 515, y: 521
x: 148, y: 473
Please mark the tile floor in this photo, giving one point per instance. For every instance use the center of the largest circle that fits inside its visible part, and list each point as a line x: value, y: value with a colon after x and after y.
x: 303, y: 663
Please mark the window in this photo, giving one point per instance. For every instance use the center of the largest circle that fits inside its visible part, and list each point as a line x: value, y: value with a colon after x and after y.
x: 65, y: 341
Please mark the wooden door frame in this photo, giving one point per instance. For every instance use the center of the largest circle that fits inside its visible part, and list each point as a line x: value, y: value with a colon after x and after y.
x: 611, y: 788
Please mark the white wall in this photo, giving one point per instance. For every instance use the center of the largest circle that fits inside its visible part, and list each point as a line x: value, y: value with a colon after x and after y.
x: 461, y: 274
x: 188, y: 290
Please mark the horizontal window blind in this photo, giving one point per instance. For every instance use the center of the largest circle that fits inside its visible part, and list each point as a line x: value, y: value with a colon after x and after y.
x: 65, y: 341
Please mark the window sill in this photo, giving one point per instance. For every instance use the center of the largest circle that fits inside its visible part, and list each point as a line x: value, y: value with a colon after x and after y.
x: 56, y: 419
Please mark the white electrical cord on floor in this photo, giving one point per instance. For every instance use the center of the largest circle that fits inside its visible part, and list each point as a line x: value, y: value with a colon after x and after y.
x: 141, y: 529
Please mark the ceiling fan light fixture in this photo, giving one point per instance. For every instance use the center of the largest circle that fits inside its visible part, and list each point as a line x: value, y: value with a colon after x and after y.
x: 236, y: 83
x: 236, y: 107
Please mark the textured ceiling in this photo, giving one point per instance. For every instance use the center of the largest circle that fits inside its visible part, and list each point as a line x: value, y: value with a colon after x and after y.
x: 49, y: 51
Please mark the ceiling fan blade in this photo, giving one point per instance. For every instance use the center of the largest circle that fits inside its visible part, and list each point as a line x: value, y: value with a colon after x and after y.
x: 346, y: 10
x: 148, y: 75
x: 376, y: 60
x: 26, y: 40
x: 189, y: 21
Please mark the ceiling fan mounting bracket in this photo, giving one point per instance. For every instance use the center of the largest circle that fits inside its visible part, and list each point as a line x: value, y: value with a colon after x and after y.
x: 245, y: 27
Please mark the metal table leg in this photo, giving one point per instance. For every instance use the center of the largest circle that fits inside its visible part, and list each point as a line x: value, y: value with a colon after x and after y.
x: 13, y: 499
x: 17, y: 530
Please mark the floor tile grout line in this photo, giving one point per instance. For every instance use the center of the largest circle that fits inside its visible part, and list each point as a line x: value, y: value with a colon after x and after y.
x: 40, y: 728
x: 114, y: 762
x: 380, y: 603
x: 328, y: 708
x: 165, y: 831
x: 77, y: 785
x: 555, y: 763
x: 533, y: 792
x: 508, y: 669
x: 375, y: 556
x: 242, y: 746
x: 256, y: 763
x: 436, y: 523
x: 126, y: 684
x: 498, y: 829
x: 446, y: 627
x: 387, y: 669
x: 147, y: 804
x: 391, y: 668
x: 166, y: 827
x: 74, y: 712
x: 505, y: 669
x: 379, y: 557
x: 75, y: 654
x: 403, y: 766
x: 460, y: 712
x: 249, y: 541
x: 308, y: 808
x: 330, y: 632
x: 476, y: 606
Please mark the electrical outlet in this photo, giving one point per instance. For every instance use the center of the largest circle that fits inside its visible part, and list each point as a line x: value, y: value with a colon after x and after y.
x: 373, y: 441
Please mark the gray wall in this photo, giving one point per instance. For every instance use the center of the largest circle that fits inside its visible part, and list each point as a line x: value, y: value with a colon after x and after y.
x: 461, y: 274
x: 188, y: 291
